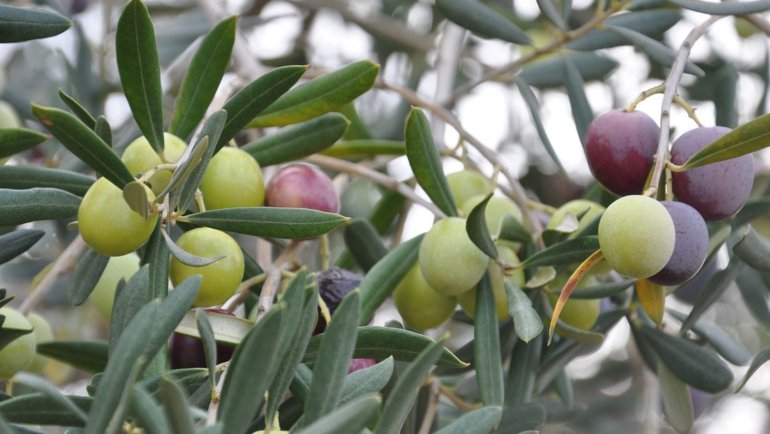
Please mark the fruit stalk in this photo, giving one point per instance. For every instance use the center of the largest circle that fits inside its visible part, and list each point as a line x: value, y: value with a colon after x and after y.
x: 671, y: 85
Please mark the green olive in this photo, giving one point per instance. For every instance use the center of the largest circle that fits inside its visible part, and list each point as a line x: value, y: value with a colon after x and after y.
x: 108, y: 225
x: 498, y: 208
x: 468, y: 300
x: 232, y: 179
x: 584, y: 210
x: 636, y: 235
x: 140, y: 157
x: 19, y: 353
x: 468, y: 183
x: 43, y: 334
x: 220, y: 279
x: 103, y: 295
x: 450, y: 262
x: 577, y: 312
x: 420, y: 305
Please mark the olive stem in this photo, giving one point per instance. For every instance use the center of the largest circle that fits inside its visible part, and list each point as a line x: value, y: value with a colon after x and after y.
x: 270, y: 287
x: 244, y: 289
x: 672, y: 84
x: 323, y: 242
x: 63, y: 264
x: 378, y: 177
x: 431, y: 410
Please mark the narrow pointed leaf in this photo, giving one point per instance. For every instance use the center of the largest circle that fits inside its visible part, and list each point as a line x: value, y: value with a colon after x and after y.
x: 727, y: 346
x: 303, y: 327
x: 24, y: 177
x: 486, y: 346
x: 482, y: 20
x: 103, y: 130
x: 17, y: 242
x: 320, y: 95
x: 760, y: 359
x: 255, y: 98
x: 602, y: 290
x: 139, y: 70
x: 15, y: 140
x: 549, y: 72
x: 249, y: 373
x: 228, y: 329
x: 677, y: 401
x: 185, y: 168
x: 119, y: 369
x: 291, y: 223
x: 188, y: 258
x: 23, y: 206
x: 364, y: 243
x: 147, y: 412
x: 549, y: 10
x: 212, y: 129
x: 87, y: 274
x: 77, y: 109
x: 747, y: 138
x: 534, y: 109
x: 526, y: 320
x: 40, y: 409
x: 511, y: 229
x: 156, y: 254
x: 713, y: 290
x: 731, y: 8
x: 89, y: 356
x: 135, y: 195
x: 476, y: 227
x: 43, y: 386
x: 523, y: 418
x: 367, y: 380
x: 479, y: 421
x: 383, y: 278
x: 176, y: 407
x: 84, y: 143
x: 202, y: 78
x: 652, y: 23
x: 365, y: 148
x: 658, y: 51
x: 692, y: 364
x: 25, y: 24
x: 581, y: 108
x: 209, y: 343
x: 567, y: 252
x: 425, y: 161
x: 754, y: 292
x: 525, y: 361
x: 331, y: 365
x: 350, y: 417
x: 404, y: 392
x: 129, y: 299
x: 298, y: 141
x: 379, y: 343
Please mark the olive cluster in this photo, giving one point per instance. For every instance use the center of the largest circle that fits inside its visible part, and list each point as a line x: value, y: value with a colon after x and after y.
x: 665, y: 241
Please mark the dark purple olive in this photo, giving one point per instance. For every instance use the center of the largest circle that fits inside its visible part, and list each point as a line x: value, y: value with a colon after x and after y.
x: 690, y: 245
x: 187, y: 351
x: 333, y: 285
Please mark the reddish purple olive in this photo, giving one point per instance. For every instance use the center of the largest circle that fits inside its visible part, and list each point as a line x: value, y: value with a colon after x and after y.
x: 302, y: 186
x: 620, y: 149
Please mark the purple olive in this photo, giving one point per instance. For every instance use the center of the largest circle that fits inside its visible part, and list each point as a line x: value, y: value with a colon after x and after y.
x: 187, y: 351
x: 690, y: 245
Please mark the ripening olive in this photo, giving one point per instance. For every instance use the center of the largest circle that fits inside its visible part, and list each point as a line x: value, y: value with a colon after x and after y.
x: 301, y: 185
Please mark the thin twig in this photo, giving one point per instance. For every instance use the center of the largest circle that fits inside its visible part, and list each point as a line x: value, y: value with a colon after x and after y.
x: 63, y: 264
x: 382, y: 179
x: 554, y: 45
x: 270, y: 287
x: 672, y: 84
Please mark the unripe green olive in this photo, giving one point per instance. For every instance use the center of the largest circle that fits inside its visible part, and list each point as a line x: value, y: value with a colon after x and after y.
x: 108, y: 225
x: 450, y: 262
x: 468, y: 299
x: 8, y: 119
x: 468, y: 183
x: 420, y: 305
x: 577, y: 312
x: 498, y: 208
x: 220, y: 279
x: 17, y: 355
x: 140, y: 157
x: 43, y: 333
x: 232, y: 179
x: 103, y: 295
x: 637, y: 235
